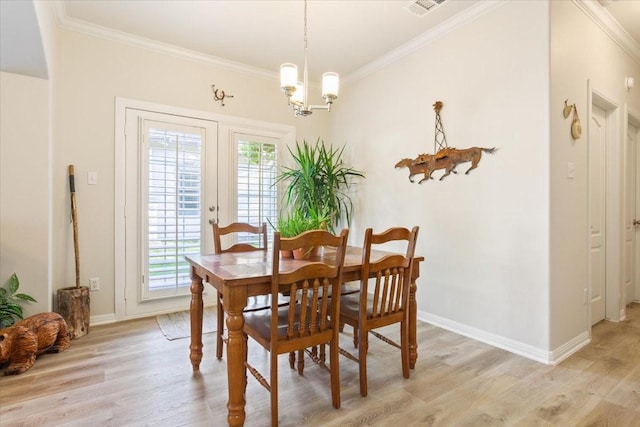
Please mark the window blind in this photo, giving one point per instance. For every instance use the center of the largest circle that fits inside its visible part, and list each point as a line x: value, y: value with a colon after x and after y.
x: 257, y: 196
x: 174, y: 206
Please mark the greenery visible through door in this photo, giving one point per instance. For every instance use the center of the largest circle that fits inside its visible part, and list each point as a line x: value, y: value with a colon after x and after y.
x: 257, y: 197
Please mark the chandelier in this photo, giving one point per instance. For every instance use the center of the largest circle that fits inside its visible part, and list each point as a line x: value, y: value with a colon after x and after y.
x: 296, y: 92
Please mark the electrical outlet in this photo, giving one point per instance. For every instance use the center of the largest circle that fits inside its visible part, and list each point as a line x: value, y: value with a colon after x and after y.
x: 94, y: 283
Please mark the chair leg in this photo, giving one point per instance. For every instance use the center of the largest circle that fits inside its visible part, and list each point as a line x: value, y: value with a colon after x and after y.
x: 300, y: 362
x: 246, y: 359
x: 404, y: 348
x: 355, y: 337
x: 362, y: 357
x: 274, y: 389
x: 220, y: 331
x: 292, y: 359
x: 334, y: 355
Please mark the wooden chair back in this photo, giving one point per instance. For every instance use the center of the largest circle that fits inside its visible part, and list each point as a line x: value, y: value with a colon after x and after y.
x: 256, y: 303
x: 240, y: 227
x: 308, y: 312
x: 385, y: 282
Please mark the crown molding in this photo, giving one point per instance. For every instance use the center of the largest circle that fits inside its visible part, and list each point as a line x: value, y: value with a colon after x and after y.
x: 590, y: 7
x: 72, y: 24
x: 460, y: 20
x: 610, y: 26
x: 463, y: 18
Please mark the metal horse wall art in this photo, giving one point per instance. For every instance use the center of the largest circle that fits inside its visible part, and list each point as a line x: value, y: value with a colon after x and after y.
x: 426, y: 164
x: 446, y: 157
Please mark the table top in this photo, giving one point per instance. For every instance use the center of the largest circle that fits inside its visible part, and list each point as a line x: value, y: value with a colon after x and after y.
x: 233, y: 267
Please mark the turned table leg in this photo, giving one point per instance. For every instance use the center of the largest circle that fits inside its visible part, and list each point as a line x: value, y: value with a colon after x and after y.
x: 196, y: 321
x: 236, y: 356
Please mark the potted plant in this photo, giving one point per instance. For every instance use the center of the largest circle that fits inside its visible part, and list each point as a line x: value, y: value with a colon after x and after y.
x: 296, y: 223
x: 11, y: 302
x: 319, y: 182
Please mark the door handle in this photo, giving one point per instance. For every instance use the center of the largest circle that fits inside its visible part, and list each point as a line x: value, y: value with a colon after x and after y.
x: 636, y: 222
x: 212, y: 221
x: 212, y: 208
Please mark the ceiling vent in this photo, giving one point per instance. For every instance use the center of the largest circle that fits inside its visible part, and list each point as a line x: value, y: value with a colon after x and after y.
x: 421, y: 7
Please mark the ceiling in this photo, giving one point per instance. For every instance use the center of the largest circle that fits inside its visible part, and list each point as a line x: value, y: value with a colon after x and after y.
x: 344, y: 36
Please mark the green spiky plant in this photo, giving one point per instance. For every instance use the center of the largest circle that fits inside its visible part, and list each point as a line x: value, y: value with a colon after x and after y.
x: 319, y: 182
x: 296, y: 222
x: 11, y: 302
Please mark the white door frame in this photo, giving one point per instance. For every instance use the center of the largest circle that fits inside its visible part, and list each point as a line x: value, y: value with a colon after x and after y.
x: 614, y: 307
x: 598, y: 127
x: 286, y: 132
x: 632, y: 117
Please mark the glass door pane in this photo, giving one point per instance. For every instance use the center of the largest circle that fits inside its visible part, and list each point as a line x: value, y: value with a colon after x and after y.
x: 174, y: 205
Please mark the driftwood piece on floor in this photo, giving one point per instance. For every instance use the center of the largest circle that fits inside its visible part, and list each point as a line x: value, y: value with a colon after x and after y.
x: 74, y: 306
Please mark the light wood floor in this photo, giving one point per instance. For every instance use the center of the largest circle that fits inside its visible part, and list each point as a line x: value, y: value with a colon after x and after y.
x: 128, y: 374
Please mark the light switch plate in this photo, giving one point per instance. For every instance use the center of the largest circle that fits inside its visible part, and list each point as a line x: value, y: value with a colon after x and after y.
x: 571, y: 170
x: 92, y: 178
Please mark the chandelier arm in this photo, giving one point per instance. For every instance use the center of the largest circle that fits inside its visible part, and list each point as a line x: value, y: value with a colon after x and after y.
x: 320, y: 107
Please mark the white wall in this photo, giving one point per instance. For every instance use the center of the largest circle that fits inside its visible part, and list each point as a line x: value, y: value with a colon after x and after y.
x: 504, y: 246
x: 24, y: 186
x: 484, y: 236
x: 90, y: 73
x: 582, y: 52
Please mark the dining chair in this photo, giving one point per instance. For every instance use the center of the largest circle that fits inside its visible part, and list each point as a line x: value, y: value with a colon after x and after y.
x: 319, y: 352
x: 257, y: 234
x: 383, y: 299
x: 306, y: 321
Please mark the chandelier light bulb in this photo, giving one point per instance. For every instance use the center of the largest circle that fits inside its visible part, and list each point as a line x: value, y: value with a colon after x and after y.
x: 330, y: 84
x: 288, y: 75
x: 298, y: 95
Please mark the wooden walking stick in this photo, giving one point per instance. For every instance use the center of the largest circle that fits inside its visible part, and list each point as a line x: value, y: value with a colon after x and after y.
x: 74, y: 219
x: 74, y: 303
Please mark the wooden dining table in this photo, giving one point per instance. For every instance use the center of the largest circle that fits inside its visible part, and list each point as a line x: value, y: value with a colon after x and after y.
x: 241, y: 275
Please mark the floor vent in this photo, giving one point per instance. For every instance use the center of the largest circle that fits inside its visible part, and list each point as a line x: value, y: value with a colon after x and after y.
x: 421, y: 7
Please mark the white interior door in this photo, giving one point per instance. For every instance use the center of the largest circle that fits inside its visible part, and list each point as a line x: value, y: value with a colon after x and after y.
x: 634, y: 140
x: 171, y: 193
x: 597, y: 211
x: 629, y: 214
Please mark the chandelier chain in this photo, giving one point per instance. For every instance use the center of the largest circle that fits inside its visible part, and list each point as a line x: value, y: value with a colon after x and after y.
x: 305, y: 27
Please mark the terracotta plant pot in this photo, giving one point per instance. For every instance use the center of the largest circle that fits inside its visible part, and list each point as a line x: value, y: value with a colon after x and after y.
x: 302, y: 253
x: 286, y: 253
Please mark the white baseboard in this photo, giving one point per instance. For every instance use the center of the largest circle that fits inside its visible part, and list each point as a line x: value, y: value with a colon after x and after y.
x: 570, y: 347
x: 102, y: 319
x: 530, y: 352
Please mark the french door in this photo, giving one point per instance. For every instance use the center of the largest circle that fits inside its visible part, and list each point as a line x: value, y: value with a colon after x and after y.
x: 170, y: 196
